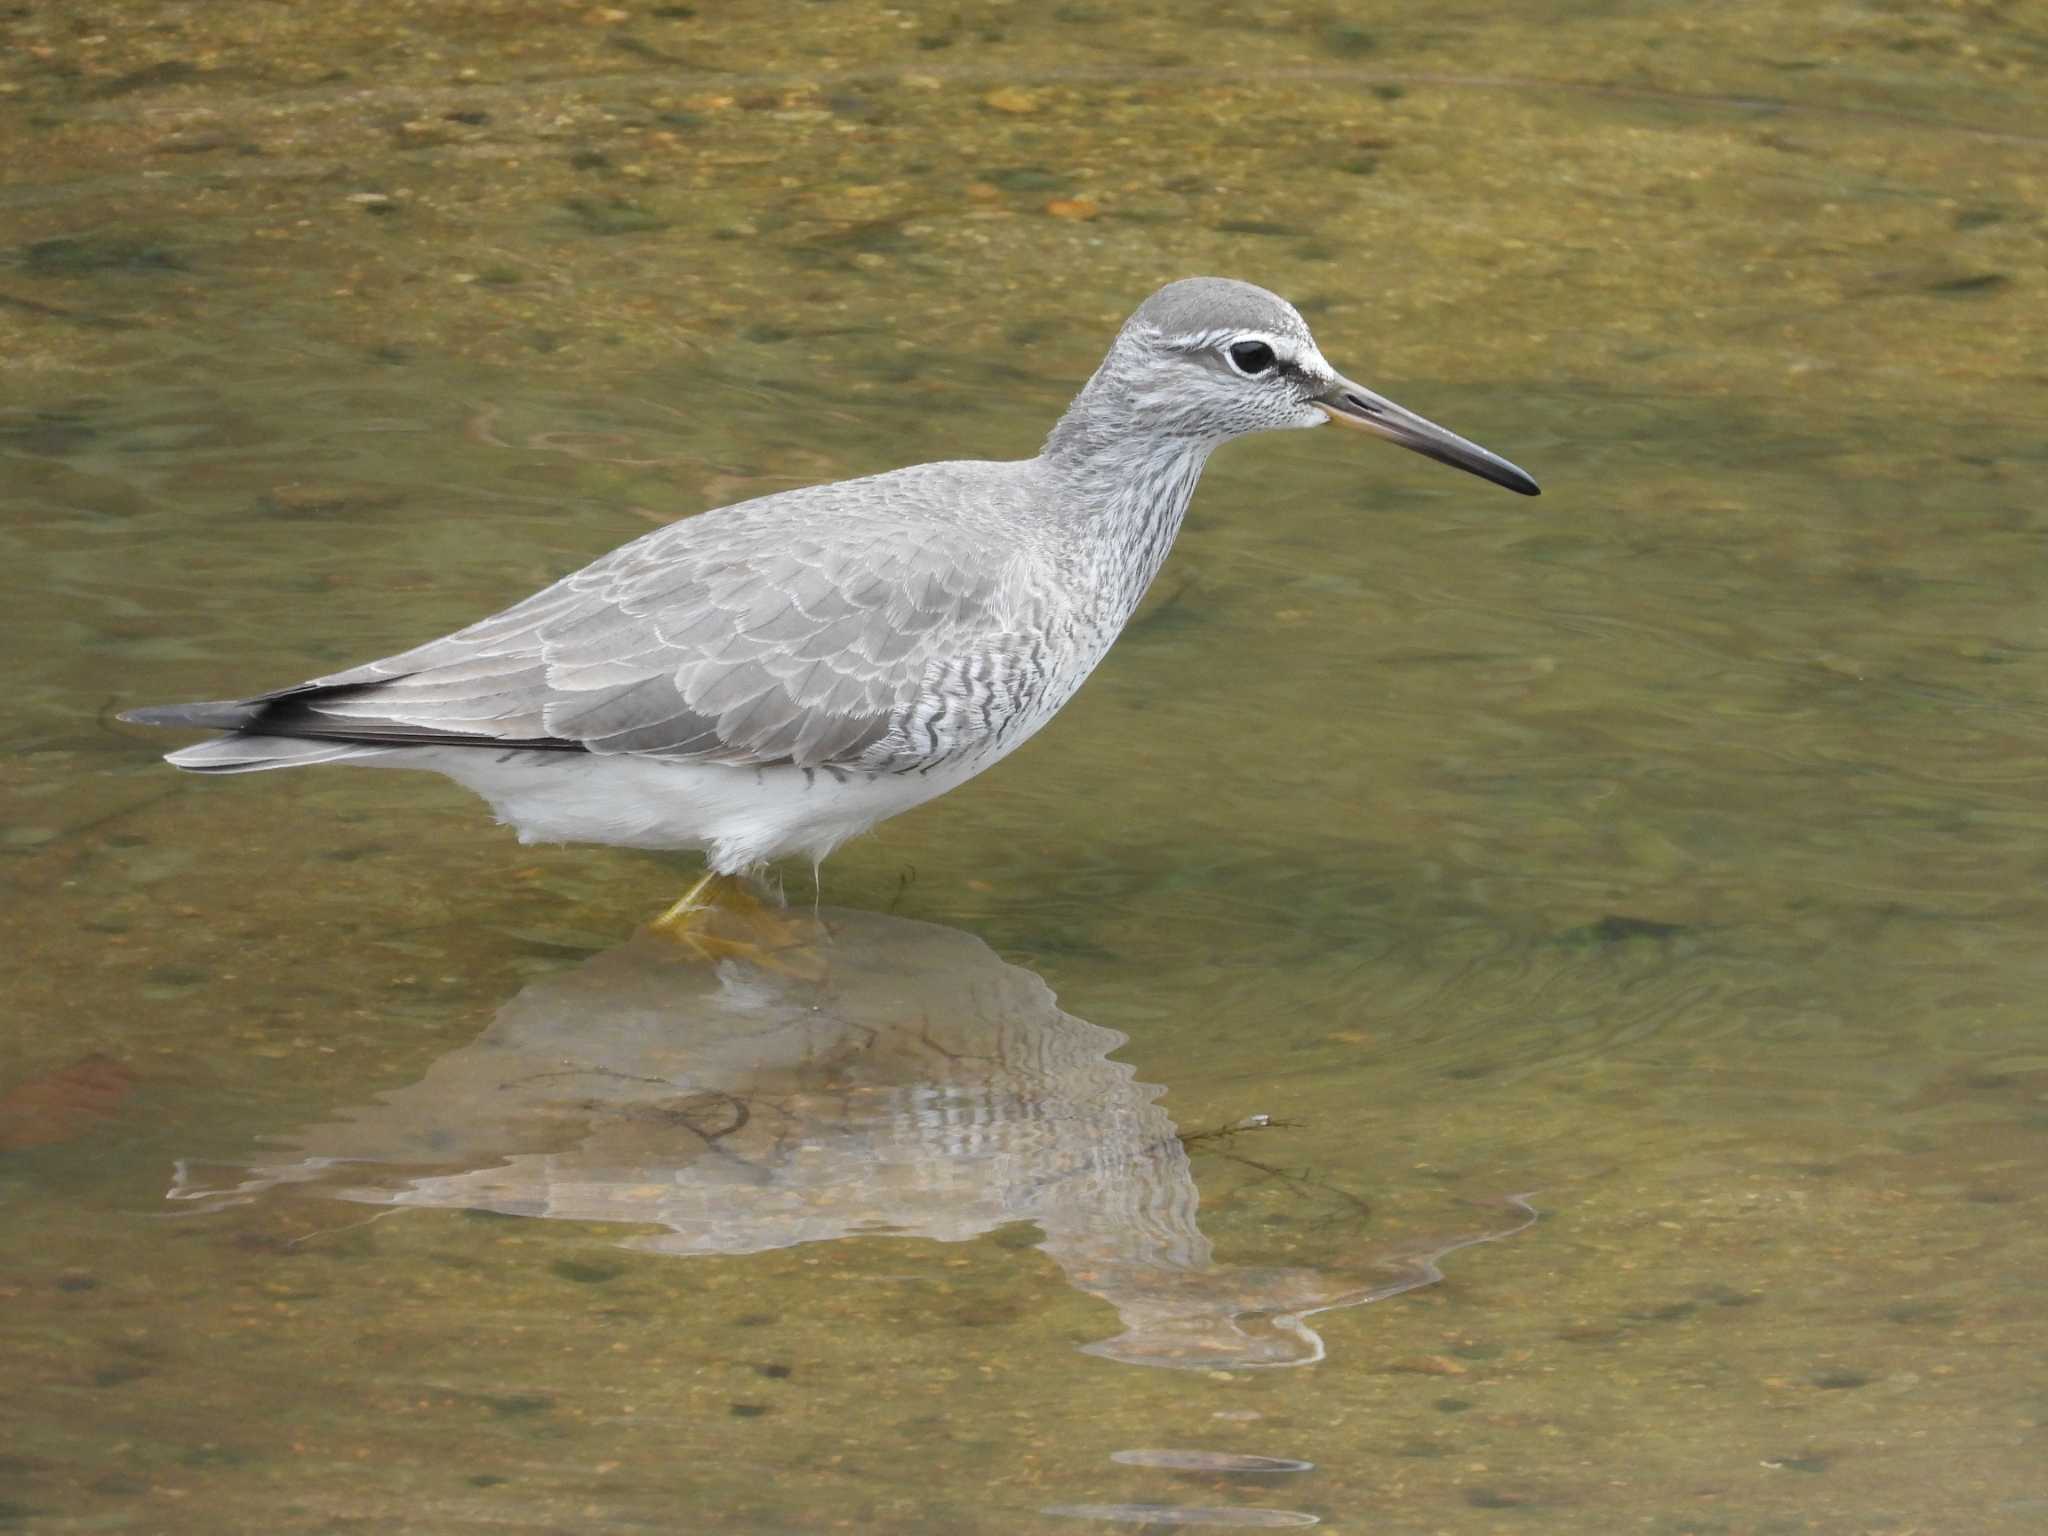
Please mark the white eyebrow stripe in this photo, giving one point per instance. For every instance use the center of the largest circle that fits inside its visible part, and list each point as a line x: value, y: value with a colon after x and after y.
x: 1216, y: 338
x: 1286, y: 349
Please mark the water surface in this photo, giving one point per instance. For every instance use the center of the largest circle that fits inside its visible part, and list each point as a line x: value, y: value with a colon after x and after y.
x: 1670, y: 849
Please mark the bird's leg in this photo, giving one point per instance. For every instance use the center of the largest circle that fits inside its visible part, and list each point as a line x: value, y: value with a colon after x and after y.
x: 721, y: 918
x: 704, y: 894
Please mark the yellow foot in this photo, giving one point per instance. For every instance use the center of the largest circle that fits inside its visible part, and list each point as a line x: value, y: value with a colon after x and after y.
x: 720, y: 918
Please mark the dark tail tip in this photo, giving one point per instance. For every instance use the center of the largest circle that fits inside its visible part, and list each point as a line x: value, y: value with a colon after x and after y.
x: 214, y: 715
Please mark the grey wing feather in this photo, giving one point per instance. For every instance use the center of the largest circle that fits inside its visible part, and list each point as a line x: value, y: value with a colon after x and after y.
x: 729, y: 638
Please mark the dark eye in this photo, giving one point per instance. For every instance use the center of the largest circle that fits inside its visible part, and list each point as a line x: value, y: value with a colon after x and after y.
x: 1250, y: 356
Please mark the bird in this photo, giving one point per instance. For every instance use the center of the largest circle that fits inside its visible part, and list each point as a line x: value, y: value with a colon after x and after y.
x: 773, y: 677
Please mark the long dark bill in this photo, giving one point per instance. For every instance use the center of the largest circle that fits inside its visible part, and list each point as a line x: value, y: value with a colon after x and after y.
x: 1353, y: 405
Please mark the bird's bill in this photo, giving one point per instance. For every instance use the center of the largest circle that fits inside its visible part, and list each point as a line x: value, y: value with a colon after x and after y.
x: 1353, y: 405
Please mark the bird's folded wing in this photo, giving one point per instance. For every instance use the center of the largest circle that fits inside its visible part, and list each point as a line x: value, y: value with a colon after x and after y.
x: 870, y: 646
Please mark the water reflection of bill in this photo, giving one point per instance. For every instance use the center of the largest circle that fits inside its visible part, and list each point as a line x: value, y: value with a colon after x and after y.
x: 924, y: 1088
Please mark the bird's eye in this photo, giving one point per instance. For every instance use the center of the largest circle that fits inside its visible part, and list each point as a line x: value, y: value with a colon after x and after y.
x: 1250, y: 357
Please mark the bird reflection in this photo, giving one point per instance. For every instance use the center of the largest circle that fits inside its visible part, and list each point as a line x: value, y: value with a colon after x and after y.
x: 922, y: 1088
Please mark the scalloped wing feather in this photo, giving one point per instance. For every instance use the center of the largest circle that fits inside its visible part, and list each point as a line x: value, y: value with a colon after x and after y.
x: 726, y: 638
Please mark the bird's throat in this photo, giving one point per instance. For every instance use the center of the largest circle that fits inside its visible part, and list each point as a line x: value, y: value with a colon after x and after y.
x: 1132, y: 504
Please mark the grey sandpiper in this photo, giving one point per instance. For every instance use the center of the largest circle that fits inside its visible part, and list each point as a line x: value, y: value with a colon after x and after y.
x: 775, y: 676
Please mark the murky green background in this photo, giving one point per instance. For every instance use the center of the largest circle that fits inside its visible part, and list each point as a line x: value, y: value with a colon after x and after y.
x: 1673, y: 847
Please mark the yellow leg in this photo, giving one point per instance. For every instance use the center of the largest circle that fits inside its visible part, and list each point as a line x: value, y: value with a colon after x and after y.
x: 697, y: 898
x: 720, y: 918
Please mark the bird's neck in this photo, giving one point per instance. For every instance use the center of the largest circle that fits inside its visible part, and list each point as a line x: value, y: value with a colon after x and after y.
x: 1124, y: 485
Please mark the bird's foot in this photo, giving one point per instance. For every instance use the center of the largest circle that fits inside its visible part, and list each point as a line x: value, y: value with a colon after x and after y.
x: 722, y: 918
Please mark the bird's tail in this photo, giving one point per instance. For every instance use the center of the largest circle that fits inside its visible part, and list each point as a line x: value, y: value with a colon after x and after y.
x: 210, y: 715
x: 241, y: 751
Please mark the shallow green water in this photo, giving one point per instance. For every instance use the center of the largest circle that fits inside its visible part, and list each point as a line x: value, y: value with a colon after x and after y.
x: 1670, y: 849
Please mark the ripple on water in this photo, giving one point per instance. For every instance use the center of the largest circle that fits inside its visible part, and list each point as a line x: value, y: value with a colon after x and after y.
x: 1187, y: 1514
x: 1210, y: 1461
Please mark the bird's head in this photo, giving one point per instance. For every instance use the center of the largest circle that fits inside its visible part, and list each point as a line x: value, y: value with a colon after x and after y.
x: 1211, y: 358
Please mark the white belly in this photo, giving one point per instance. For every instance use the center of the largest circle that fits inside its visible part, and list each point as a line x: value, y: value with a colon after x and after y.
x: 739, y: 817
